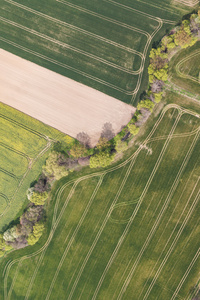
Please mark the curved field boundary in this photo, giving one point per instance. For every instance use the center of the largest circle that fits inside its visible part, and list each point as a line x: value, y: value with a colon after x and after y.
x: 55, y: 224
x: 101, y: 228
x: 149, y: 36
x: 98, y: 37
x: 122, y: 204
x: 108, y: 216
x: 67, y: 46
x: 167, y: 201
x: 143, y: 61
x: 136, y: 210
x: 55, y: 221
x: 177, y: 224
x: 59, y: 192
x: 66, y: 66
x: 181, y: 62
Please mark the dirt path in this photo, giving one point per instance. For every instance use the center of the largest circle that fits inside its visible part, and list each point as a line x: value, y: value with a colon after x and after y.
x: 58, y: 101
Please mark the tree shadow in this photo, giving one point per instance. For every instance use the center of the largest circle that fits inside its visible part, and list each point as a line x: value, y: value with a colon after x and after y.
x: 84, y: 139
x: 107, y: 131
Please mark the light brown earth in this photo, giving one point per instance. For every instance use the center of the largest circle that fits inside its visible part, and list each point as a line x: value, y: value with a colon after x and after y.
x: 188, y: 2
x: 58, y: 101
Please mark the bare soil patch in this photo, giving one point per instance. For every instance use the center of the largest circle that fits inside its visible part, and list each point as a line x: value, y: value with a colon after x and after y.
x: 60, y: 102
x: 188, y: 2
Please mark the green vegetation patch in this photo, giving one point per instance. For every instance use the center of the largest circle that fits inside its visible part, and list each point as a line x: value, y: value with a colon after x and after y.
x: 21, y: 138
x: 8, y: 183
x: 13, y: 161
x: 53, y: 35
x: 124, y: 228
x: 3, y: 203
x: 24, y: 146
x: 190, y: 66
x: 184, y: 69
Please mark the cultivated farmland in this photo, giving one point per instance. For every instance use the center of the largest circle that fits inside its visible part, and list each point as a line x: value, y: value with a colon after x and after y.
x: 103, y: 44
x: 23, y: 148
x: 128, y: 232
x: 185, y: 69
x: 58, y: 101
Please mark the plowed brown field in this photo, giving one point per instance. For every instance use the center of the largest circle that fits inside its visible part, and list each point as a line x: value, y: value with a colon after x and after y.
x: 58, y: 101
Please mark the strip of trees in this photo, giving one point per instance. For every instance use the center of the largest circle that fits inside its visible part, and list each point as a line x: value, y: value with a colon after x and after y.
x: 66, y: 158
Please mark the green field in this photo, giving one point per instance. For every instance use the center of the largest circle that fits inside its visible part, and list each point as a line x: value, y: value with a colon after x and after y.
x: 185, y: 69
x: 103, y: 44
x: 23, y: 149
x: 190, y: 66
x: 130, y: 231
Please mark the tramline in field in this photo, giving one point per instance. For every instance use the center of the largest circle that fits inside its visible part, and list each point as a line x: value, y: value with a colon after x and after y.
x: 114, y: 232
x: 131, y: 230
x: 185, y: 68
x: 109, y: 56
x: 23, y: 148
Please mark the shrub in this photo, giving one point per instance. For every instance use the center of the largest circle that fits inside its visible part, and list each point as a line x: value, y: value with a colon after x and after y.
x: 101, y: 159
x: 158, y: 97
x: 121, y: 146
x: 36, y: 234
x: 183, y: 37
x: 52, y: 168
x: 39, y: 198
x: 10, y: 234
x: 78, y: 150
x: 103, y: 144
x: 151, y: 78
x: 61, y: 147
x: 133, y: 129
x: 3, y: 246
x: 161, y: 74
x: 42, y: 184
x: 148, y: 104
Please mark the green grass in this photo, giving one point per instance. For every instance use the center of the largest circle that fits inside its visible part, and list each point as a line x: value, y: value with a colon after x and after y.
x: 147, y: 205
x: 13, y: 161
x: 22, y: 140
x: 118, y: 34
x: 191, y: 67
x: 3, y: 203
x: 184, y: 69
x: 8, y: 183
